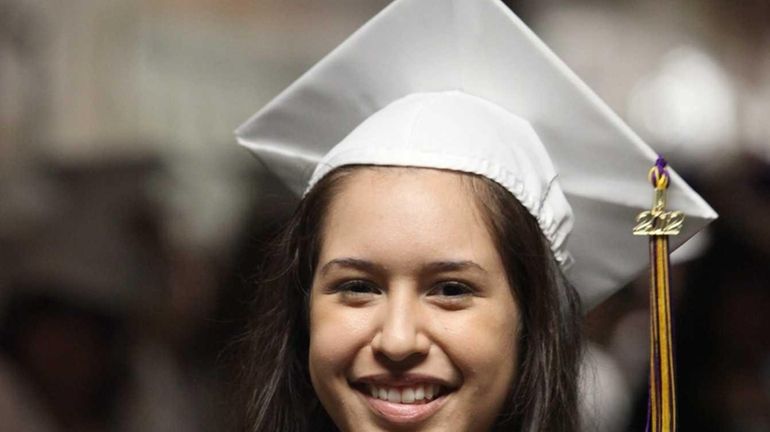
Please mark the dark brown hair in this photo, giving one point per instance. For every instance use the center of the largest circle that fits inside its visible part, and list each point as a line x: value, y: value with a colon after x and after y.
x: 276, y: 391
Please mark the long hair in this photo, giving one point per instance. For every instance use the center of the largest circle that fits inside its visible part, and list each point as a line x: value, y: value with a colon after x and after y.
x: 276, y: 394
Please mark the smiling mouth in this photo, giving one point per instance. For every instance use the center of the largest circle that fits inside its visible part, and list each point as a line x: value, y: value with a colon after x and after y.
x: 403, y: 404
x: 414, y: 394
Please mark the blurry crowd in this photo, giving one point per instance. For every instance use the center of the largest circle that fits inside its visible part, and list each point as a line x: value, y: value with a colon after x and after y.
x: 105, y: 324
x: 131, y: 224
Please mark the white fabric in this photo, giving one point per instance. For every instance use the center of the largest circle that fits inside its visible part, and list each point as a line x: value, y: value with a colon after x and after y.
x: 455, y: 131
x: 478, y: 50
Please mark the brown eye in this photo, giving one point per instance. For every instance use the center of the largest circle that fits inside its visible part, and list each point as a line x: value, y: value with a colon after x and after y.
x: 358, y: 287
x: 451, y: 289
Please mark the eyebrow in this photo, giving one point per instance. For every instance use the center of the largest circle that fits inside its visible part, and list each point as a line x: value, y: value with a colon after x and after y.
x: 372, y: 267
x: 450, y: 266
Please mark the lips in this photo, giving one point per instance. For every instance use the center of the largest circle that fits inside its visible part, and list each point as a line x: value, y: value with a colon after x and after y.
x: 403, y: 400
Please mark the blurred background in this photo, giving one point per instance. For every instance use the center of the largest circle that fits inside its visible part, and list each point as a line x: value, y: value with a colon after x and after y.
x: 131, y: 223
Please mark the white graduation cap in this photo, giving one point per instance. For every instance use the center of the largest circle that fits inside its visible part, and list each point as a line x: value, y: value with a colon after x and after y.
x: 466, y: 85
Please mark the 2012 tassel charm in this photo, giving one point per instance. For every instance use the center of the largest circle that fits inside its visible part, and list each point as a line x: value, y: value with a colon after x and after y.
x: 658, y: 224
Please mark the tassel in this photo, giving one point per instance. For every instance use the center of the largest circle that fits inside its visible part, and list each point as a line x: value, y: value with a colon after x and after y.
x: 658, y: 224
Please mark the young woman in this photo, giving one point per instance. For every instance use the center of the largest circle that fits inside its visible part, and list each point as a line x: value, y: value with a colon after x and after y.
x: 412, y: 299
x: 425, y: 282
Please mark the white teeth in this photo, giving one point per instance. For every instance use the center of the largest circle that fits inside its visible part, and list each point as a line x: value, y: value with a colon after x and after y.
x: 394, y: 396
x: 382, y: 394
x: 429, y: 391
x: 419, y: 393
x: 406, y: 395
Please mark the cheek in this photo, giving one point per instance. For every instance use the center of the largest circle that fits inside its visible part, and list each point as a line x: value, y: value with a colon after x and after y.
x: 336, y: 336
x: 483, y: 345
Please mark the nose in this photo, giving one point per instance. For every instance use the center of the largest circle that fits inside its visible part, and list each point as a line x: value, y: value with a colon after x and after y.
x: 401, y: 335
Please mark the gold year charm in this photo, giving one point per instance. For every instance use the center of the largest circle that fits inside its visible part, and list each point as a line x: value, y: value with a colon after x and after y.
x: 658, y: 221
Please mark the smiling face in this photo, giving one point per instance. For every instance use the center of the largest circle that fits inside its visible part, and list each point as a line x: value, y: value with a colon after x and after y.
x: 413, y: 324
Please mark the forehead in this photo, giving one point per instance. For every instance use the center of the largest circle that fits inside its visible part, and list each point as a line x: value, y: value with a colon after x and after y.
x: 411, y: 213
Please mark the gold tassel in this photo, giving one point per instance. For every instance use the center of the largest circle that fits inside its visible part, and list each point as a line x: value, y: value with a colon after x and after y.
x: 658, y: 224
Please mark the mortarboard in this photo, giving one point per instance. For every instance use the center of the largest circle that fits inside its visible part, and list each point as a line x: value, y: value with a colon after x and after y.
x: 466, y: 85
